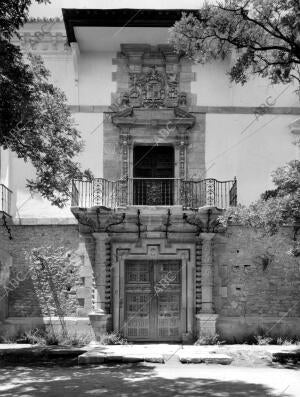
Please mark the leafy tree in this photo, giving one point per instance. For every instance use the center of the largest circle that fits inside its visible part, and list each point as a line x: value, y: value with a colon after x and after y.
x: 276, y: 207
x: 35, y: 121
x: 265, y: 34
x: 55, y: 278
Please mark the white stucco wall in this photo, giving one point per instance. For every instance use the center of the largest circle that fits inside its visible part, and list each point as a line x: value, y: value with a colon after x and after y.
x: 213, y: 88
x: 247, y: 146
x: 26, y: 205
x: 250, y: 156
x: 95, y: 78
x: 94, y: 88
x: 62, y: 74
x: 236, y: 144
x: 5, y: 167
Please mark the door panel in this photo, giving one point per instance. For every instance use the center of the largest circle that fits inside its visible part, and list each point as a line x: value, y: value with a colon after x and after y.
x: 168, y: 299
x: 169, y: 315
x: 138, y: 298
x: 138, y: 315
x: 152, y: 300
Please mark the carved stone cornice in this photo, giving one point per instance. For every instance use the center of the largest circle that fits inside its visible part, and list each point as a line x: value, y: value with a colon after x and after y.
x: 131, y: 118
x: 43, y: 41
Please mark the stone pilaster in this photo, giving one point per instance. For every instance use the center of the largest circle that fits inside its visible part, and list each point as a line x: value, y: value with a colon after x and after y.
x: 181, y: 143
x: 99, y: 318
x: 125, y: 143
x: 206, y: 319
x: 207, y: 273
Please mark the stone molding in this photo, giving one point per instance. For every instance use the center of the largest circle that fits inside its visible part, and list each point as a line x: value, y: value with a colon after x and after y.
x: 148, y: 249
x: 281, y: 110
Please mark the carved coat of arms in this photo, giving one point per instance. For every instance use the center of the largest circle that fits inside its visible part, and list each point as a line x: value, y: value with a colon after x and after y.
x: 153, y: 89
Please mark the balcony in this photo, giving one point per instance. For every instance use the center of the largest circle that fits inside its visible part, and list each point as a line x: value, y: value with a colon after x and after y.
x: 154, y: 192
x: 5, y: 200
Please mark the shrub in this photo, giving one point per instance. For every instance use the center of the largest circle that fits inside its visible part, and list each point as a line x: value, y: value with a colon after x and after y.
x: 112, y: 339
x: 209, y: 340
x: 263, y: 340
x: 47, y: 337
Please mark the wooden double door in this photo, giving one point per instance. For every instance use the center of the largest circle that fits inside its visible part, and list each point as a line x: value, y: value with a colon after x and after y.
x: 152, y: 300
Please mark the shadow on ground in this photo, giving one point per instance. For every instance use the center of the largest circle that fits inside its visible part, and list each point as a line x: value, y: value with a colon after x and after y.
x: 117, y: 380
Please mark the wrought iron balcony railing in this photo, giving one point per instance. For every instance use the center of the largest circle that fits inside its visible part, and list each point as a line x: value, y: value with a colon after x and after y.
x: 5, y: 200
x: 154, y: 191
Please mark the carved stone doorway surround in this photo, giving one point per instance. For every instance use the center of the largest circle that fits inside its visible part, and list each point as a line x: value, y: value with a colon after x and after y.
x: 171, y: 131
x: 157, y: 250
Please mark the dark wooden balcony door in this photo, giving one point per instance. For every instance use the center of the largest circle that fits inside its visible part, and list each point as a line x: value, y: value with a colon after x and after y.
x: 152, y: 300
x: 153, y: 166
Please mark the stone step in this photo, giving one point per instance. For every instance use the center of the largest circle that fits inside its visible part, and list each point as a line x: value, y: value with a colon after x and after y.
x: 205, y: 357
x: 97, y: 357
x: 285, y: 356
x: 155, y: 354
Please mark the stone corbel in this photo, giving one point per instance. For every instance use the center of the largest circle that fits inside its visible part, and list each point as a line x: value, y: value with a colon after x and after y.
x: 206, y: 220
x: 115, y: 220
x: 97, y: 219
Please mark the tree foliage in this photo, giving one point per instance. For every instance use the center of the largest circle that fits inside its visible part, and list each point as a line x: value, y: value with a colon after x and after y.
x: 275, y: 208
x: 264, y: 34
x: 55, y: 277
x: 35, y: 121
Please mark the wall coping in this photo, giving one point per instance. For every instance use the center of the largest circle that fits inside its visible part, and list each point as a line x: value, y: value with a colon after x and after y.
x: 283, y: 110
x: 43, y: 221
x: 16, y: 320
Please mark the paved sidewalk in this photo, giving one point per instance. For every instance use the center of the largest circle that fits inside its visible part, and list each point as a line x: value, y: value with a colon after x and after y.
x: 171, y: 379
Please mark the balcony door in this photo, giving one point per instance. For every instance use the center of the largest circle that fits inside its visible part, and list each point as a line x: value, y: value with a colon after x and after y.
x: 153, y: 170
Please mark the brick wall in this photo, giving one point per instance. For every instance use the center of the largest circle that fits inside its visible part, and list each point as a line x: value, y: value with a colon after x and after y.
x: 254, y: 275
x: 23, y: 297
